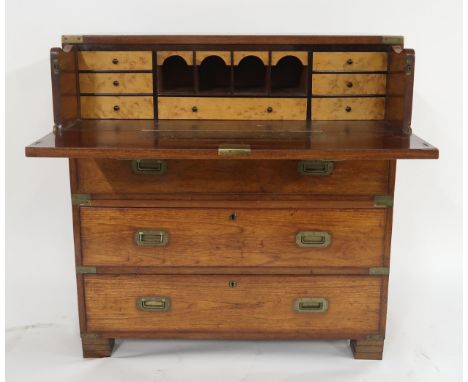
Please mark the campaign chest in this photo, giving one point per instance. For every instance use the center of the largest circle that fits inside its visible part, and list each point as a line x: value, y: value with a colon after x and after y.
x: 232, y: 187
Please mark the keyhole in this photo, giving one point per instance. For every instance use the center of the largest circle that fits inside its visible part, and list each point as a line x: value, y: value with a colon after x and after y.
x: 232, y: 284
x: 233, y: 217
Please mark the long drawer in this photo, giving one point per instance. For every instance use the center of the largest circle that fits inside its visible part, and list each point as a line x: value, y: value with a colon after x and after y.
x: 241, y: 306
x: 206, y: 237
x: 233, y: 176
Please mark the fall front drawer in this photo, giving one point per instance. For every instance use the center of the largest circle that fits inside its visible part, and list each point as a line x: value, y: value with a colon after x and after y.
x: 233, y: 176
x: 207, y: 237
x: 235, y: 305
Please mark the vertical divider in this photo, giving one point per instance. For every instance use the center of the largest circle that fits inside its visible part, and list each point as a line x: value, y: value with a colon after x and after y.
x: 195, y: 73
x: 231, y: 84
x: 310, y: 58
x: 268, y: 74
x: 155, y: 85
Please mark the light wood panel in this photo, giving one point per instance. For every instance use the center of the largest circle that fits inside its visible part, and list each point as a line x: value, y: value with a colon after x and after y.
x: 201, y: 55
x: 116, y: 82
x: 253, y: 176
x: 238, y: 56
x: 258, y: 304
x: 211, y: 237
x: 103, y: 60
x: 348, y: 84
x: 349, y: 61
x: 187, y: 55
x: 129, y: 107
x: 232, y: 108
x: 276, y: 56
x: 368, y: 108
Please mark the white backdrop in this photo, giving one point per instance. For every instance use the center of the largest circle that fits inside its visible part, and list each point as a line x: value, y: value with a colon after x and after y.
x: 424, y: 315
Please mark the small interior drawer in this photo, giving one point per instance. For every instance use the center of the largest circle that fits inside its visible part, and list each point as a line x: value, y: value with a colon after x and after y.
x: 232, y: 108
x: 211, y: 237
x: 348, y: 84
x: 117, y: 107
x: 116, y: 83
x: 251, y: 306
x: 349, y: 61
x: 366, y: 108
x: 104, y: 60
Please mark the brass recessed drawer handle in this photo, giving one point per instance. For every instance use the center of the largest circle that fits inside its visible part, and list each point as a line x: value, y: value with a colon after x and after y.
x: 315, y: 167
x: 313, y: 239
x: 311, y: 305
x: 149, y: 166
x: 154, y: 304
x: 150, y: 238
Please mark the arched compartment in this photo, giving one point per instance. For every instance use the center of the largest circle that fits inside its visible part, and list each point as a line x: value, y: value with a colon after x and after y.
x: 175, y: 76
x: 289, y: 76
x: 214, y: 75
x: 250, y: 76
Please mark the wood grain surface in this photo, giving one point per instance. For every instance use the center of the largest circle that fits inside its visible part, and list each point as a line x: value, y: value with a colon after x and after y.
x: 278, y: 55
x: 131, y: 60
x: 187, y: 55
x: 349, y: 61
x: 257, y: 304
x: 334, y: 109
x: 348, y: 84
x: 211, y: 237
x: 116, y: 83
x: 129, y: 107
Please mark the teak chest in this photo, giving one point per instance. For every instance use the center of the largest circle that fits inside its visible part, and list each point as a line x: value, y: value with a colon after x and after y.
x: 232, y: 187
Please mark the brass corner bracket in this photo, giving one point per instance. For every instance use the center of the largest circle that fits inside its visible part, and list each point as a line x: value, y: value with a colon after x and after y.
x: 81, y: 199
x: 72, y: 39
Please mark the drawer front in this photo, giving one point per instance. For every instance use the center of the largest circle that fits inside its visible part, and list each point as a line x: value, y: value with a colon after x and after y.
x: 348, y: 84
x: 225, y: 237
x: 349, y: 61
x: 117, y: 107
x: 232, y: 108
x: 346, y: 305
x: 212, y: 176
x: 116, y: 83
x: 368, y: 108
x: 131, y: 60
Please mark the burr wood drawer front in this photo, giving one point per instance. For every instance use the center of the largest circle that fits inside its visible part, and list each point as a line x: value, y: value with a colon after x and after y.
x: 365, y: 108
x: 117, y: 107
x: 348, y: 84
x: 235, y: 237
x: 115, y: 61
x: 236, y: 305
x: 116, y: 83
x: 349, y: 61
x: 232, y: 108
x: 232, y: 176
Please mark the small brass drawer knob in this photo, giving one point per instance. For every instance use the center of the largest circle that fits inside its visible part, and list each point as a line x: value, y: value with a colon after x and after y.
x: 269, y: 109
x: 194, y: 109
x: 313, y: 239
x: 350, y: 61
x: 348, y: 109
x: 349, y: 84
x: 116, y: 83
x: 311, y: 305
x: 116, y: 107
x: 115, y: 61
x: 154, y: 304
x: 151, y: 238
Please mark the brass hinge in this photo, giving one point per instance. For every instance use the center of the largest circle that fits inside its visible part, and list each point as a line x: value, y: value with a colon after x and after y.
x: 379, y: 271
x: 393, y: 40
x: 72, y: 39
x: 90, y: 336
x: 234, y: 150
x: 375, y: 337
x: 81, y: 199
x: 383, y: 201
x: 409, y: 65
x: 84, y: 270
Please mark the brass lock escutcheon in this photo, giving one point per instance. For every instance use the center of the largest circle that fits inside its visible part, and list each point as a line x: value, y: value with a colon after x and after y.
x: 315, y: 167
x: 313, y: 239
x: 311, y: 305
x: 151, y: 238
x: 154, y: 304
x: 149, y: 166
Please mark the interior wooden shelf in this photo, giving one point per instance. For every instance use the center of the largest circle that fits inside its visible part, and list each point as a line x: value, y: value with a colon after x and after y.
x: 190, y: 139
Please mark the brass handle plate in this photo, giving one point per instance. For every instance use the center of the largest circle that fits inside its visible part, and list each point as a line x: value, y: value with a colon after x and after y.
x: 149, y: 166
x: 151, y: 238
x: 315, y: 167
x: 154, y: 304
x: 234, y: 150
x: 311, y: 305
x: 313, y: 239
